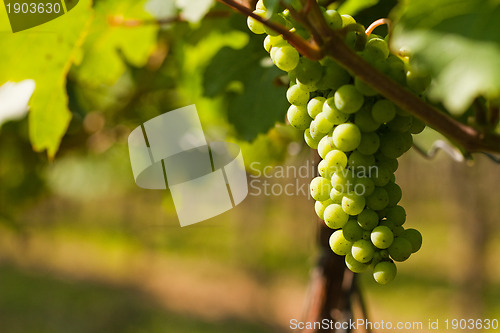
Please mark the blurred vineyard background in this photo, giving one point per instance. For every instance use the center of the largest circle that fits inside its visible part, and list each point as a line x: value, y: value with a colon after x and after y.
x: 82, y: 249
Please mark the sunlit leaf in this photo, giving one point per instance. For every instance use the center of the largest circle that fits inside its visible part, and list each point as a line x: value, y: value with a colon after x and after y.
x: 458, y: 41
x: 45, y: 54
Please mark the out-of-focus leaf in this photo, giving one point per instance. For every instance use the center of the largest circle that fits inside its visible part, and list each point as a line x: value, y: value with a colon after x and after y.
x: 194, y: 10
x: 352, y: 7
x: 45, y: 54
x: 458, y: 41
x: 259, y: 103
x: 102, y: 63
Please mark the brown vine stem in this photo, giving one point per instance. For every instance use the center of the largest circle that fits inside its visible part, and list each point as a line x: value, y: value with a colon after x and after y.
x: 333, y: 45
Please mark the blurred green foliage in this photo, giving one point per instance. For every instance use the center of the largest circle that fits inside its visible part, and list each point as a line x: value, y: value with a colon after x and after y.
x: 106, y: 67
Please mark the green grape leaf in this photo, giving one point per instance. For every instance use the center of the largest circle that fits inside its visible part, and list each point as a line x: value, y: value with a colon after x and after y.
x: 194, y: 10
x: 45, y: 54
x: 258, y: 102
x: 458, y: 42
x: 109, y: 42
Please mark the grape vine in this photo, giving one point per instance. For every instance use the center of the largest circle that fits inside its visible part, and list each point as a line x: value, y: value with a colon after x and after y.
x: 358, y: 134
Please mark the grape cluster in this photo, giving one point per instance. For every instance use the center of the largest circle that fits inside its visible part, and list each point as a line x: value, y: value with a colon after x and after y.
x: 359, y: 136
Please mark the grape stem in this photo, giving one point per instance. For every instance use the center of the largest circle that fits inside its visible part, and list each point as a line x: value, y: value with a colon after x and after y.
x: 378, y: 23
x: 330, y: 43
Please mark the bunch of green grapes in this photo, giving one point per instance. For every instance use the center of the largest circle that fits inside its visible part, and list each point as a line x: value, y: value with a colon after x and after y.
x: 359, y: 136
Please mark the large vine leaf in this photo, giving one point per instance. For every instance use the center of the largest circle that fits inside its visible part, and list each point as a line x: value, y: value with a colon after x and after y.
x: 458, y: 41
x: 45, y: 54
x: 256, y: 103
x: 110, y: 41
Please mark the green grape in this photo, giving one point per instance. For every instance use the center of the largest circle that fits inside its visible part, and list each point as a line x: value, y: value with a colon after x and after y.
x: 387, y: 223
x: 315, y: 106
x: 417, y: 126
x: 398, y: 230
x: 400, y: 249
x: 311, y: 142
x: 331, y: 112
x: 346, y: 137
x: 335, y: 217
x: 315, y: 130
x: 414, y: 237
x: 343, y: 181
x: 390, y: 164
x: 358, y: 160
x: 323, y: 169
x: 333, y: 19
x: 354, y: 265
x: 325, y: 146
x: 370, y: 142
x: 396, y: 214
x: 366, y: 235
x: 255, y: 26
x: 286, y: 58
x: 336, y: 196
x: 273, y: 41
x: 383, y: 111
x: 298, y: 117
x: 353, y: 204
x: 375, y: 60
x: 339, y: 244
x: 323, y: 124
x: 267, y: 44
x: 364, y: 120
x: 395, y: 68
x: 381, y: 176
x: 417, y: 82
x: 368, y: 219
x: 320, y: 206
x: 310, y: 87
x: 393, y: 144
x: 336, y: 160
x: 382, y: 237
x: 376, y: 48
x: 308, y: 71
x: 348, y: 99
x: 320, y: 188
x: 400, y: 123
x: 334, y: 77
x: 378, y: 199
x: 297, y: 96
x: 394, y: 193
x: 364, y: 186
x: 352, y: 231
x: 364, y: 88
x: 362, y: 250
x: 347, y: 20
x: 384, y: 272
x: 260, y: 5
